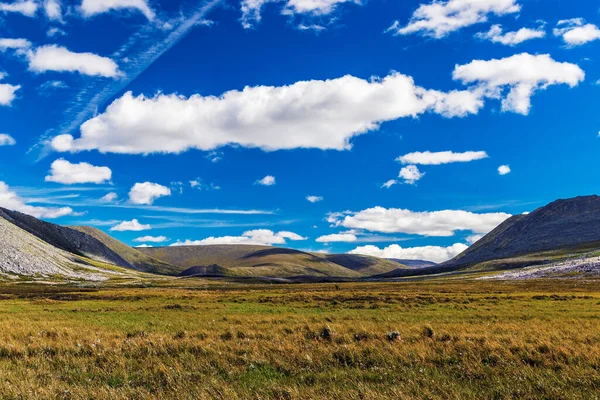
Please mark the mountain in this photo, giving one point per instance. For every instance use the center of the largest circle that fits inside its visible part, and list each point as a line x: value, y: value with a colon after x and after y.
x: 132, y: 257
x: 64, y: 238
x: 264, y: 261
x: 563, y: 224
x: 25, y: 256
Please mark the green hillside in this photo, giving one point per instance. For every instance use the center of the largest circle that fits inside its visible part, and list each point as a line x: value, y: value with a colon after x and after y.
x: 137, y: 259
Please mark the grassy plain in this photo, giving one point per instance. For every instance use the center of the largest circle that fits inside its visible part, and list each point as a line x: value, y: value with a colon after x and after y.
x: 203, y: 339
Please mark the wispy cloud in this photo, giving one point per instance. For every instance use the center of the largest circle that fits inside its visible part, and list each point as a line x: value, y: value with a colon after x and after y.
x: 37, y: 196
x: 134, y: 57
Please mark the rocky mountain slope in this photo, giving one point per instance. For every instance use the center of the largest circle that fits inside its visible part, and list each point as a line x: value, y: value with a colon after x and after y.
x: 23, y: 255
x: 561, y: 224
x: 262, y: 261
x: 64, y: 238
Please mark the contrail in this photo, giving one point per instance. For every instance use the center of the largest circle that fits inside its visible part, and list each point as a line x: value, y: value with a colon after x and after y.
x: 90, y: 99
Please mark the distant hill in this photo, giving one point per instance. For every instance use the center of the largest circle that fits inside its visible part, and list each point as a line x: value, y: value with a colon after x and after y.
x: 131, y: 256
x: 264, y: 261
x: 561, y: 224
x: 415, y: 263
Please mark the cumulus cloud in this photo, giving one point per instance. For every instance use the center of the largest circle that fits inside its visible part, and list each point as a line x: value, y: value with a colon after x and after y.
x: 109, y: 197
x: 133, y: 225
x: 259, y: 237
x: 60, y: 59
x: 7, y: 140
x: 314, y: 199
x: 522, y: 74
x: 266, y: 181
x: 471, y: 239
x: 428, y: 253
x: 147, y: 192
x: 26, y: 7
x: 14, y: 44
x: 576, y: 32
x: 324, y: 115
x: 440, y: 18
x: 62, y: 171
x: 316, y: 114
x: 7, y: 92
x: 427, y: 223
x: 497, y: 35
x: 93, y: 7
x: 504, y: 170
x: 389, y: 184
x: 442, y: 157
x: 12, y: 201
x: 251, y: 9
x: 151, y: 239
x: 411, y: 174
x: 347, y: 237
x: 53, y: 10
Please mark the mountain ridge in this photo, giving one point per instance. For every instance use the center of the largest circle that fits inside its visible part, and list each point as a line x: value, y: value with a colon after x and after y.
x: 560, y: 224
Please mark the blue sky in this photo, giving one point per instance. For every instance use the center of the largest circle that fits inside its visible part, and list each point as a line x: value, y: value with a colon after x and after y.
x: 372, y: 126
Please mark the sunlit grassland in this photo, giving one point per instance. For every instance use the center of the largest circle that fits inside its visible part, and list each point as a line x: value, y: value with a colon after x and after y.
x: 213, y: 339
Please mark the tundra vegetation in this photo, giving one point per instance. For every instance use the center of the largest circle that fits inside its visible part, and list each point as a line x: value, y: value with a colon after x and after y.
x: 205, y: 339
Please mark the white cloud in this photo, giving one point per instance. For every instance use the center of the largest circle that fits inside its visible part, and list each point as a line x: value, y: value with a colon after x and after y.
x: 428, y: 223
x: 347, y: 237
x: 25, y: 7
x: 523, y: 75
x: 60, y: 59
x: 311, y: 27
x: 260, y: 237
x: 133, y: 225
x: 313, y: 114
x: 53, y: 10
x: 50, y: 86
x: 440, y: 18
x: 54, y: 31
x: 198, y: 184
x: 147, y: 192
x: 411, y: 174
x: 7, y: 140
x: 473, y: 239
x: 266, y: 181
x: 144, y: 246
x: 7, y: 92
x: 504, y: 170
x: 314, y: 199
x: 389, y: 184
x: 62, y: 171
x: 12, y: 201
x: 442, y: 157
x: 496, y: 35
x: 109, y: 197
x: 576, y: 32
x: 93, y: 7
x: 173, y: 123
x: 151, y: 239
x: 251, y: 9
x: 428, y: 253
x: 14, y: 44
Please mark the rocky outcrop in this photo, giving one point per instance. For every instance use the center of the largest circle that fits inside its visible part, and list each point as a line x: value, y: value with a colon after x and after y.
x: 67, y: 239
x: 24, y: 255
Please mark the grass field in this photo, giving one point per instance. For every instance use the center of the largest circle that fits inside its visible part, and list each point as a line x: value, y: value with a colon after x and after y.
x: 213, y: 339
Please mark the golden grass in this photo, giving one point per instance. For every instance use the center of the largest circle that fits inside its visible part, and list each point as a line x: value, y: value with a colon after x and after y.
x: 211, y: 339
